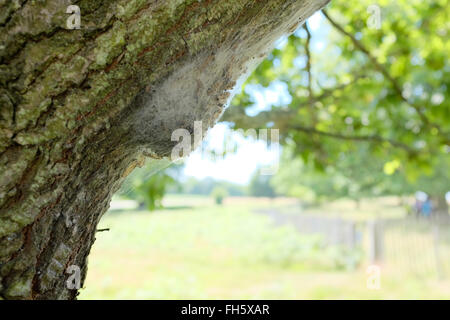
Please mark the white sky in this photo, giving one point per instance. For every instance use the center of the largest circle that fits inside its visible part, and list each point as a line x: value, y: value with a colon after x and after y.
x: 235, y: 167
x: 238, y: 167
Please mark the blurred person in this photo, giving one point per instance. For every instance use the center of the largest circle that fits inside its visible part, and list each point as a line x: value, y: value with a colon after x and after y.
x: 420, y: 199
x: 427, y: 207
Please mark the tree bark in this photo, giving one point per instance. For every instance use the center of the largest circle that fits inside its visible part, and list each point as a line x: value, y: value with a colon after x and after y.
x: 79, y: 109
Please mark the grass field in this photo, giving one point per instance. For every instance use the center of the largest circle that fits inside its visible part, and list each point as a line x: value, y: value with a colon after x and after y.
x: 194, y: 249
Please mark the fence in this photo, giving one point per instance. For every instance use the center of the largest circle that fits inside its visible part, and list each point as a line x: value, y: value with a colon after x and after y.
x: 417, y: 245
x: 334, y: 231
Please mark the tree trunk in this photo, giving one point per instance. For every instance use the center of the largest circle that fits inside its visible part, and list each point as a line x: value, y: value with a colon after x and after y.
x: 79, y: 109
x: 440, y: 204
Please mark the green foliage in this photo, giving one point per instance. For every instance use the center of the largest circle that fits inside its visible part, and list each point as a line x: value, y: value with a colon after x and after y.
x: 151, y: 190
x: 204, y: 186
x: 260, y: 186
x: 370, y: 103
x: 355, y: 176
x: 345, y: 258
x: 149, y: 184
x: 219, y: 193
x: 285, y: 247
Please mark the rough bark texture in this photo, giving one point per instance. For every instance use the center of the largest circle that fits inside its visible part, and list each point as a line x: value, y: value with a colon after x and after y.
x: 79, y: 108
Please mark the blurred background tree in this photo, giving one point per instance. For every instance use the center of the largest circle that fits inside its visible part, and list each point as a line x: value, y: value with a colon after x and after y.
x: 149, y: 183
x: 219, y: 194
x: 260, y: 186
x: 368, y: 107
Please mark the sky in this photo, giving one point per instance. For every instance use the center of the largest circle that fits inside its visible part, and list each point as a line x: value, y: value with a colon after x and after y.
x: 239, y: 166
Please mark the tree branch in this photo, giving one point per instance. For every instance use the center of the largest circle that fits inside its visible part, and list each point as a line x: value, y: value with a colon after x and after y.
x: 308, y: 70
x: 283, y: 119
x: 374, y: 138
x: 308, y: 58
x: 381, y: 68
x: 235, y: 113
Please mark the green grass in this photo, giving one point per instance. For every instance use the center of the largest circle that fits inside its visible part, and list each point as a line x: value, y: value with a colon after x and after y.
x: 196, y: 250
